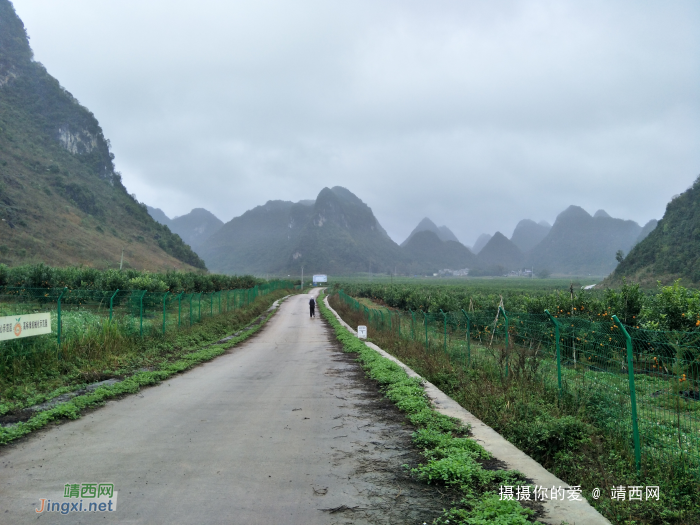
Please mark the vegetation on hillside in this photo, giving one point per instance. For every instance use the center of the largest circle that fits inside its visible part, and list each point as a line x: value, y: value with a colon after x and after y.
x: 61, y: 201
x: 672, y: 250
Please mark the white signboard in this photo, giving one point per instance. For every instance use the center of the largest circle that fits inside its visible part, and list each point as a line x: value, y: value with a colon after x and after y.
x: 25, y: 325
x: 320, y: 278
x: 362, y: 332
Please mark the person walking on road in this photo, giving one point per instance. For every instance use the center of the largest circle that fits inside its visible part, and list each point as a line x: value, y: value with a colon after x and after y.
x: 312, y: 307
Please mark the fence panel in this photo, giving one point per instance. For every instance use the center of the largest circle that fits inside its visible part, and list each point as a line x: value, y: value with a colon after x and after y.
x: 641, y: 385
x: 77, y: 314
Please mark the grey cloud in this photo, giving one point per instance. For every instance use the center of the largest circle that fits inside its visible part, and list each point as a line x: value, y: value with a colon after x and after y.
x: 475, y: 114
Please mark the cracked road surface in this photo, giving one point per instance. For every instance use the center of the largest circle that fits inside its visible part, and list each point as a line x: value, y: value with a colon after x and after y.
x: 283, y: 429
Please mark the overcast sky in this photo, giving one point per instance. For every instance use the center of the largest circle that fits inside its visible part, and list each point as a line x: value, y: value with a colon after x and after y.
x: 475, y: 114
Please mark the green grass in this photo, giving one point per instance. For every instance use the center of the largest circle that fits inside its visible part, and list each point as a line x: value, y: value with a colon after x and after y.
x: 37, y: 378
x: 577, y: 436
x: 451, y: 459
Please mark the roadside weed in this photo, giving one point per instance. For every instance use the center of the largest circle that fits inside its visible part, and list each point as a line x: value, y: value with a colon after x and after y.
x: 451, y: 460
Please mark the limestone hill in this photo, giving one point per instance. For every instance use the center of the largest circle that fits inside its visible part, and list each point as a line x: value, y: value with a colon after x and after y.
x: 500, y: 255
x: 61, y: 202
x: 443, y: 232
x: 672, y: 249
x: 428, y: 253
x: 579, y: 244
x: 338, y: 234
x: 529, y: 234
x: 193, y: 228
x: 481, y: 241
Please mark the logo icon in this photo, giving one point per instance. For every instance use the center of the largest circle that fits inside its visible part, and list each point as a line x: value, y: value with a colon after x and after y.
x: 18, y: 328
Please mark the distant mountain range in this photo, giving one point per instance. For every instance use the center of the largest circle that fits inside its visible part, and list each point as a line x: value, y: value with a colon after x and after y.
x: 194, y: 228
x: 338, y: 233
x: 580, y: 244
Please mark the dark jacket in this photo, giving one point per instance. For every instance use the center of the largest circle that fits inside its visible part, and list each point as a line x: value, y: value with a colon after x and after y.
x: 312, y: 303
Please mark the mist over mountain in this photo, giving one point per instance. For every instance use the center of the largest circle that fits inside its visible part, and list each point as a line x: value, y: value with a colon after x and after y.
x: 529, y: 234
x: 647, y: 229
x: 500, y: 252
x: 428, y: 253
x: 481, y: 241
x: 579, y: 244
x: 443, y: 232
x: 61, y: 201
x: 446, y: 234
x: 193, y: 228
x: 159, y: 216
x: 337, y: 234
x: 671, y: 250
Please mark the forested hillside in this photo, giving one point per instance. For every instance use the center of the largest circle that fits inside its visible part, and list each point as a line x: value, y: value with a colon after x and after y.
x: 61, y: 201
x: 672, y: 249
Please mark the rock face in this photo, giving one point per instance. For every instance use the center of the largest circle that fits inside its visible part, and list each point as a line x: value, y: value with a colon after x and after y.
x: 529, y: 234
x: 579, y: 244
x: 671, y: 250
x: 61, y: 201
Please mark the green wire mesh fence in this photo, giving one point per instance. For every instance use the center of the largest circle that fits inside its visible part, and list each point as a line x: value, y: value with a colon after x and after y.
x: 642, y: 386
x: 139, y: 313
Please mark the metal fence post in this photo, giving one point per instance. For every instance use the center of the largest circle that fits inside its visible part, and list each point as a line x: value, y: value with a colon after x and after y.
x: 165, y: 295
x: 191, y: 297
x: 503, y: 312
x: 633, y: 394
x: 179, y: 308
x: 111, y: 302
x: 219, y: 301
x: 469, y: 353
x: 558, y: 347
x: 444, y: 319
x: 199, y: 320
x: 211, y: 305
x: 141, y: 312
x: 60, y: 322
x: 425, y: 322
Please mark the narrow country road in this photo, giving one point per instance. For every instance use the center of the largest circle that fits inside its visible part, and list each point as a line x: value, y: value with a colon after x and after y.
x: 273, y: 432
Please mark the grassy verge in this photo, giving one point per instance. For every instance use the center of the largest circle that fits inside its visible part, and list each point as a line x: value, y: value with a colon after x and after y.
x: 566, y: 435
x: 141, y: 364
x: 451, y: 458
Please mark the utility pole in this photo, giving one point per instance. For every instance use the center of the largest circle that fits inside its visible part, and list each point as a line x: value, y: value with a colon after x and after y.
x: 121, y: 263
x: 302, y: 277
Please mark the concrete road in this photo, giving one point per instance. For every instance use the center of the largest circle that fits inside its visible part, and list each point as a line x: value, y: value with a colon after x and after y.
x: 269, y: 433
